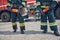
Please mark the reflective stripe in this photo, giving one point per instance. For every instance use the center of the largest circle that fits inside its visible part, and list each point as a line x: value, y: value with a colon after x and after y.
x: 25, y: 18
x: 37, y: 11
x: 38, y: 3
x: 22, y: 24
x: 44, y: 6
x: 43, y: 23
x: 8, y: 4
x: 23, y: 3
x: 52, y: 24
x: 14, y: 23
x: 3, y: 5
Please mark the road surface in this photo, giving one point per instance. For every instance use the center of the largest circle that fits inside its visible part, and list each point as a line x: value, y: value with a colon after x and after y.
x: 32, y: 32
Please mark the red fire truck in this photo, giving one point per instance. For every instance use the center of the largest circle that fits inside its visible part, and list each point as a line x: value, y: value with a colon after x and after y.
x: 4, y: 11
x: 5, y: 14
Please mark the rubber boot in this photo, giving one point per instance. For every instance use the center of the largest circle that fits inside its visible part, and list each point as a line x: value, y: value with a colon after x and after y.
x: 45, y: 31
x: 44, y: 28
x: 56, y: 33
x: 15, y: 30
x: 22, y: 29
x: 55, y: 29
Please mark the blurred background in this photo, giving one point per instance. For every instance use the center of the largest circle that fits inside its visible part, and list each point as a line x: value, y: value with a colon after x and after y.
x: 34, y: 15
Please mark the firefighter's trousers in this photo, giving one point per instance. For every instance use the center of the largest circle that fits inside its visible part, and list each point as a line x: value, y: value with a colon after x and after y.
x: 20, y: 19
x: 48, y: 18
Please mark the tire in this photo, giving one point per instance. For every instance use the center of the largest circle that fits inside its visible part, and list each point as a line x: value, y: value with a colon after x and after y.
x: 5, y: 16
x: 57, y: 13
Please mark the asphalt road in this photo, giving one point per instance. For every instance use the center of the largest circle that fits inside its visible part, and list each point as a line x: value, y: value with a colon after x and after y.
x: 32, y: 32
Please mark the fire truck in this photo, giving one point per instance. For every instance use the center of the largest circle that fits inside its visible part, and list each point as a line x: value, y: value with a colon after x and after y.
x: 5, y: 13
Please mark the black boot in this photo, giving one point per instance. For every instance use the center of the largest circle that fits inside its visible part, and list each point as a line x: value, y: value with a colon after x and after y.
x: 15, y: 30
x: 44, y: 28
x: 22, y: 31
x: 45, y: 31
x: 56, y: 33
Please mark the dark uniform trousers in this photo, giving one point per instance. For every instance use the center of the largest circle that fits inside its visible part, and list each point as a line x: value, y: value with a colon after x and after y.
x: 51, y: 19
x: 48, y: 17
x: 21, y: 21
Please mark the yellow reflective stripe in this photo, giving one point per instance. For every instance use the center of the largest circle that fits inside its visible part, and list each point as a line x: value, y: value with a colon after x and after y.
x: 52, y: 24
x: 37, y: 11
x: 22, y: 24
x: 14, y: 23
x: 43, y: 23
x: 38, y: 3
x: 44, y: 6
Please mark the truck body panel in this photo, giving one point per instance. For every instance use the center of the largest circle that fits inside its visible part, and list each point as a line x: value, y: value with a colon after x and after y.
x: 3, y: 4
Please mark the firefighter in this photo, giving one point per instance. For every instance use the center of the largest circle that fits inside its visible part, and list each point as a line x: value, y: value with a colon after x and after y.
x: 47, y: 10
x: 17, y: 4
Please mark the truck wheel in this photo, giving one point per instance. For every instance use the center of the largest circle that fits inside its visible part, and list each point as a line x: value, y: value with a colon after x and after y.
x: 57, y: 13
x: 5, y: 17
